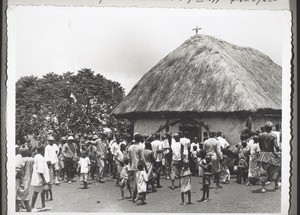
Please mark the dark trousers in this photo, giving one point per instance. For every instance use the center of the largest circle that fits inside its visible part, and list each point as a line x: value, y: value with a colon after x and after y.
x: 158, y: 167
x: 168, y: 159
x: 69, y: 165
x: 93, y: 170
x: 193, y: 166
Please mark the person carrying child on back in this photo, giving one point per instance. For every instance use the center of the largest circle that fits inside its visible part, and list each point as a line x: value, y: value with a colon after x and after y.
x: 84, y: 164
x: 207, y: 173
x: 124, y: 179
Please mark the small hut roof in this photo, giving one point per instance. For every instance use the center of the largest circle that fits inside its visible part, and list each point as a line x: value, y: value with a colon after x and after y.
x: 206, y: 74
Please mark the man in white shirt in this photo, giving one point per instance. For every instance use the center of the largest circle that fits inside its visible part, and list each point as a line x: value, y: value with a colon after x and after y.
x: 176, y: 164
x: 157, y: 148
x: 223, y: 143
x: 51, y: 154
x: 115, y: 146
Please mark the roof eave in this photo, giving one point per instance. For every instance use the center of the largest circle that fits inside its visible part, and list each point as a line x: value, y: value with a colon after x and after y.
x: 173, y: 114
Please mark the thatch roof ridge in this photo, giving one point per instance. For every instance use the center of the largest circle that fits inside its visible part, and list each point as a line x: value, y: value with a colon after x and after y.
x: 206, y: 74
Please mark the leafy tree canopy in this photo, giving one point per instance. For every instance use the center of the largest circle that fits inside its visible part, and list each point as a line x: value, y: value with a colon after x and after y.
x: 45, y: 105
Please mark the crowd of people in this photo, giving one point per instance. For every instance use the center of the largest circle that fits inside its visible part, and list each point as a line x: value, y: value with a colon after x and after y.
x: 138, y: 163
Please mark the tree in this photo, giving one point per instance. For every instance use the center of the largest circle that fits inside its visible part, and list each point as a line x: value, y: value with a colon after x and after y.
x: 44, y: 104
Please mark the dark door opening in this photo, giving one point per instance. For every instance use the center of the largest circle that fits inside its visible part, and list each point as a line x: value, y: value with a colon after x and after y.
x: 193, y: 131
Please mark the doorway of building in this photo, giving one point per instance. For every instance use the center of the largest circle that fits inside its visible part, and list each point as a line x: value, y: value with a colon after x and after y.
x: 192, y: 131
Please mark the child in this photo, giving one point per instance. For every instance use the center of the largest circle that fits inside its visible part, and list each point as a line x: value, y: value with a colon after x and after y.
x: 84, y: 164
x: 207, y: 173
x: 201, y: 159
x: 124, y: 179
x: 142, y: 179
x: 225, y: 173
x: 194, y: 157
x: 185, y: 181
x: 48, y: 187
x: 243, y: 163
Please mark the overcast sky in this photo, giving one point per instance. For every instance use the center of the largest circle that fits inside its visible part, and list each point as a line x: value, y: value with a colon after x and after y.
x: 124, y: 44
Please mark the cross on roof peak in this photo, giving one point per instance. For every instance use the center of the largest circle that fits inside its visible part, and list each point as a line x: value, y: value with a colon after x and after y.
x: 197, y: 29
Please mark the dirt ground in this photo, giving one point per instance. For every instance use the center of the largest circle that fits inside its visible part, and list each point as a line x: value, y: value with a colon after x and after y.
x: 103, y: 197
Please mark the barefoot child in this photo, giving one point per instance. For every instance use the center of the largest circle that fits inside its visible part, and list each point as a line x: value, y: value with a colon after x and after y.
x: 225, y: 173
x: 124, y: 179
x: 185, y: 178
x: 207, y: 173
x: 48, y: 187
x: 194, y: 159
x: 243, y: 163
x: 84, y: 164
x: 142, y: 179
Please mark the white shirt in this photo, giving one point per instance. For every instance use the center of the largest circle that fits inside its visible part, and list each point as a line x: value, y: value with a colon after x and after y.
x: 39, y: 167
x: 166, y: 145
x: 141, y: 178
x: 223, y: 143
x: 142, y: 145
x: 19, y: 161
x: 84, y: 164
x: 114, y: 147
x: 51, y: 153
x: 176, y: 150
x: 119, y: 155
x: 186, y: 143
x: 157, y: 145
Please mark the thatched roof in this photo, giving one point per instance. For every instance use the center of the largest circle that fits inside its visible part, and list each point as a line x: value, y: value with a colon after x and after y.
x: 208, y: 75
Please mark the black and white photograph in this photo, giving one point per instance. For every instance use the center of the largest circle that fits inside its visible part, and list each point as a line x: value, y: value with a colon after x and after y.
x: 148, y: 110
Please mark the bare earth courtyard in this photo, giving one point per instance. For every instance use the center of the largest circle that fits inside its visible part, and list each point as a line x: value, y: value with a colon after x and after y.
x: 232, y: 198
